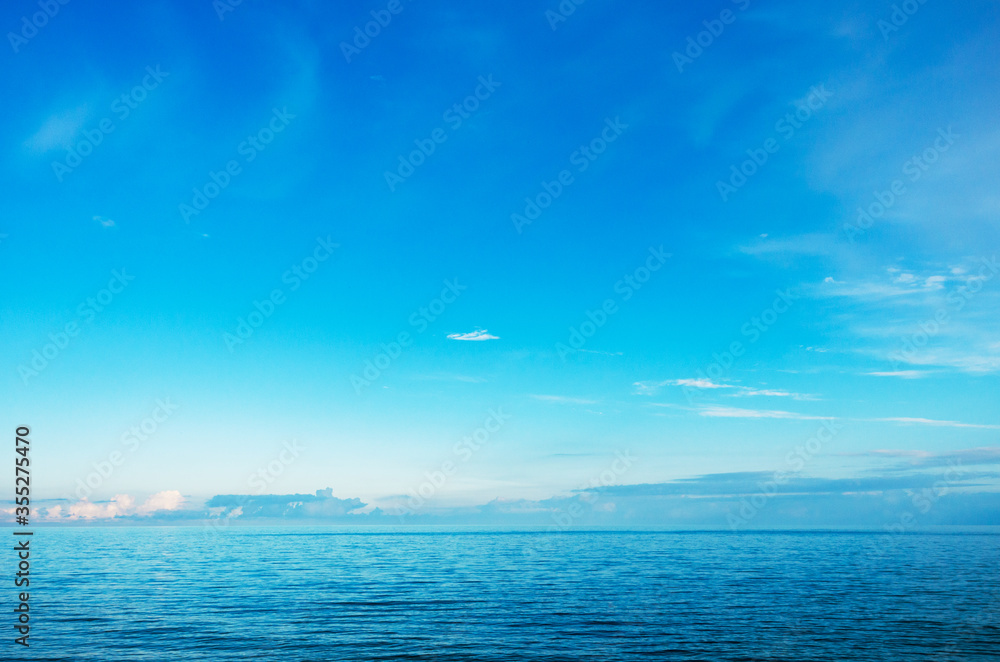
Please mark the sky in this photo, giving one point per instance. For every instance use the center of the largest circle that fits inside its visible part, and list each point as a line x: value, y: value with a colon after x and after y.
x: 468, y: 261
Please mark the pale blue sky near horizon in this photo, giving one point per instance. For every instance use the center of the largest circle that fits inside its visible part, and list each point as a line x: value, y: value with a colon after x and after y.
x: 889, y: 330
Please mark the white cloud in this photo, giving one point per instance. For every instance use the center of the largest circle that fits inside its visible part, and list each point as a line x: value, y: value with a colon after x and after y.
x: 935, y: 423
x: 117, y: 507
x: 960, y: 359
x: 650, y: 387
x: 733, y: 412
x: 121, y: 505
x: 479, y: 334
x: 903, y: 374
x: 744, y: 391
x: 167, y: 500
x: 106, y: 222
x: 872, y: 291
x: 897, y: 453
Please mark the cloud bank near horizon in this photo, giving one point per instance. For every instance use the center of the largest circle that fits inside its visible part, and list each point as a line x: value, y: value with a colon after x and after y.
x: 920, y: 490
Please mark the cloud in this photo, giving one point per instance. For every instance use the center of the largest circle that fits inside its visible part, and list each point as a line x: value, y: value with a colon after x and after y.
x: 902, y: 374
x: 713, y: 411
x: 935, y: 282
x: 893, y: 453
x: 934, y: 316
x: 923, y: 459
x: 648, y: 388
x: 117, y: 507
x: 284, y: 506
x: 596, y: 351
x: 814, y: 244
x: 870, y: 291
x: 733, y: 412
x: 651, y: 387
x: 106, y: 222
x: 750, y: 482
x: 479, y: 334
x: 58, y: 131
x: 935, y: 423
x: 744, y: 391
x: 958, y: 358
x: 121, y: 505
x: 168, y: 500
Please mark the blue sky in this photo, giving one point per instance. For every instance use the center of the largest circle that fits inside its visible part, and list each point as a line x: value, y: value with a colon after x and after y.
x: 648, y: 246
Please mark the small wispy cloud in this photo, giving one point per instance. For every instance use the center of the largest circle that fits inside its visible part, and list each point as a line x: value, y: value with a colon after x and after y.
x: 735, y: 390
x: 478, y: 334
x: 900, y: 285
x: 871, y: 291
x: 105, y: 222
x: 597, y: 351
x: 744, y: 391
x: 934, y: 423
x: 892, y: 453
x: 715, y: 411
x: 58, y: 130
x: 651, y: 387
x: 734, y: 412
x: 911, y: 459
x: 806, y: 245
x: 902, y: 374
x: 965, y: 358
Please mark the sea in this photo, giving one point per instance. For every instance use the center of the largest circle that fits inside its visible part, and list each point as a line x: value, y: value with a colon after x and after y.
x: 342, y: 593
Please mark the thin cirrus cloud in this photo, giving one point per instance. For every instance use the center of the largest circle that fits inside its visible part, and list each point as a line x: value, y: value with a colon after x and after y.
x: 743, y: 391
x: 651, y: 387
x: 735, y: 412
x: 935, y: 423
x: 58, y: 131
x: 944, y: 305
x: 917, y: 459
x: 479, y: 334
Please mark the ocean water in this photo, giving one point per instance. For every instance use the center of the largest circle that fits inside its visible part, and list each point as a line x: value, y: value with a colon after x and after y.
x: 161, y: 594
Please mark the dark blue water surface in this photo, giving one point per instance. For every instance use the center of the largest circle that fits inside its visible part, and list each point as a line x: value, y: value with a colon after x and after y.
x: 350, y: 594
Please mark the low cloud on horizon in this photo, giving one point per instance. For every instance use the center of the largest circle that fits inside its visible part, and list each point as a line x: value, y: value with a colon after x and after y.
x: 937, y: 489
